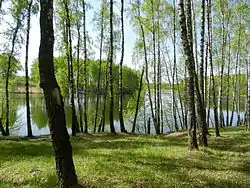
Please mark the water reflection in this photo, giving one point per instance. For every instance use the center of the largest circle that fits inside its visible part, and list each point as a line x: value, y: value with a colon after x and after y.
x: 39, y: 117
x: 40, y: 122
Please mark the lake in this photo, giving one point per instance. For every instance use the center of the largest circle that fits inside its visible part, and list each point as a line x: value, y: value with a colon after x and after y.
x: 40, y: 123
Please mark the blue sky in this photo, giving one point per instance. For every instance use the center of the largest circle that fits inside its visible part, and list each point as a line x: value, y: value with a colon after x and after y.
x: 130, y: 36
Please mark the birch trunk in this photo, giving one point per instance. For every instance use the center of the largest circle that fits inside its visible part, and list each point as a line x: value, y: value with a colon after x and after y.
x: 187, y: 43
x: 85, y: 102
x: 29, y: 129
x: 122, y: 127
x: 111, y: 117
x: 209, y: 22
x: 100, y: 68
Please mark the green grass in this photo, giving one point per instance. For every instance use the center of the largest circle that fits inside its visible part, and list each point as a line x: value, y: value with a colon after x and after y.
x: 132, y: 161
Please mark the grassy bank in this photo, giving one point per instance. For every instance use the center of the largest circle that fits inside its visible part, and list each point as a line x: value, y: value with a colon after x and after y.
x: 132, y: 161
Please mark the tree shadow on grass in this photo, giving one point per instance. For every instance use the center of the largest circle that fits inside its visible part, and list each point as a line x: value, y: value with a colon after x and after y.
x: 127, y: 141
x: 201, y: 181
x: 24, y: 138
x: 124, y: 145
x: 216, y: 172
x: 122, y: 142
x: 237, y: 143
x: 244, y: 168
x: 122, y: 160
x: 181, y: 169
x: 16, y: 150
x: 49, y: 181
x: 25, y: 149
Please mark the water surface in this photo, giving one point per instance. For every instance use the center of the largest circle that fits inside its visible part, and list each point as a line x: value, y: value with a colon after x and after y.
x: 40, y: 122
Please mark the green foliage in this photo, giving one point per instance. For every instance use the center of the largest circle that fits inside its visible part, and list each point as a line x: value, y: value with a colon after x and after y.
x: 13, y: 104
x: 14, y: 67
x: 131, y: 161
x: 243, y: 83
x: 18, y: 7
x: 130, y: 77
x: 233, y: 14
x: 34, y: 75
x: 97, y: 19
x: 241, y: 77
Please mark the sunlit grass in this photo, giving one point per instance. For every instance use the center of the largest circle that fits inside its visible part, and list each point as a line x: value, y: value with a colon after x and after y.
x: 132, y: 161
